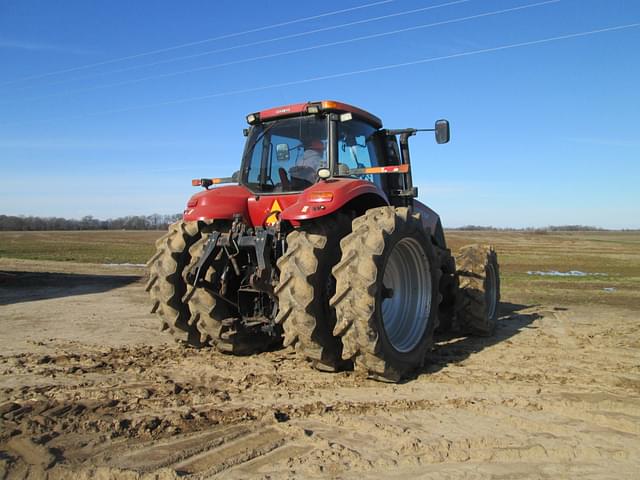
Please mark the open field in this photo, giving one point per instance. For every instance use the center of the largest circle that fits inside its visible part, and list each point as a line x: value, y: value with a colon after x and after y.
x: 614, y: 254
x: 90, y: 389
x: 97, y: 246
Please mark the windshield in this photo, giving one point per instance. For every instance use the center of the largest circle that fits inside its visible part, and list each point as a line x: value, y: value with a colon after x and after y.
x: 285, y: 155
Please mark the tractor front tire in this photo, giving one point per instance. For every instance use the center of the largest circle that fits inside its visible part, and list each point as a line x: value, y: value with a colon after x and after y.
x: 166, y: 285
x: 478, y: 296
x: 305, y: 286
x: 387, y: 293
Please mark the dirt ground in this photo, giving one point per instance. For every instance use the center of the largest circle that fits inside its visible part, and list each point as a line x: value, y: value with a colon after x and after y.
x: 89, y: 388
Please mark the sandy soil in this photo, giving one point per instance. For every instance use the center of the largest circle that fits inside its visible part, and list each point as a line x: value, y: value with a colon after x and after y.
x: 91, y: 389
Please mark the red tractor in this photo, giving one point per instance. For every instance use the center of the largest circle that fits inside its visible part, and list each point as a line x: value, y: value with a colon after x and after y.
x: 320, y: 243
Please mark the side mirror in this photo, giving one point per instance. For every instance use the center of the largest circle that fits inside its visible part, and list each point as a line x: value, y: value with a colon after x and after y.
x: 442, y: 131
x: 282, y: 152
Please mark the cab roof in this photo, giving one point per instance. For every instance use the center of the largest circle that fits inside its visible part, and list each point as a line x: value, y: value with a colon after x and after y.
x: 313, y: 107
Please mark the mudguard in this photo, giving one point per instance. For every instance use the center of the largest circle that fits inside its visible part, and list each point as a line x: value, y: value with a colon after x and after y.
x: 326, y: 197
x: 430, y: 221
x: 220, y: 203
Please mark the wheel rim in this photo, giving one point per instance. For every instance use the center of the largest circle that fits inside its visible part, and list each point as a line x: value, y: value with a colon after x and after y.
x: 406, y: 295
x: 491, y: 299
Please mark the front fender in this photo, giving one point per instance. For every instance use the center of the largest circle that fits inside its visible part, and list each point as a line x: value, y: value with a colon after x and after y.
x: 220, y: 203
x: 342, y: 190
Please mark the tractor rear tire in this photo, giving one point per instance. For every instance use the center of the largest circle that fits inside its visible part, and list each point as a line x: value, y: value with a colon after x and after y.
x: 478, y: 296
x: 215, y: 319
x: 167, y: 285
x: 305, y: 287
x: 387, y: 293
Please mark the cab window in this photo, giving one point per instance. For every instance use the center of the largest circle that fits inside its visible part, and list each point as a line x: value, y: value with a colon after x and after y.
x: 284, y: 155
x: 358, y: 147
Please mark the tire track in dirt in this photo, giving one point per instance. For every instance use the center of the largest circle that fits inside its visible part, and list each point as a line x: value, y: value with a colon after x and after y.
x: 554, y: 394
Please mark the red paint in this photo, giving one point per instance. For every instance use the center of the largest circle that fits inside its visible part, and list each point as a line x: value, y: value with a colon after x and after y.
x: 343, y: 191
x: 223, y: 203
x: 283, y: 111
x: 218, y: 203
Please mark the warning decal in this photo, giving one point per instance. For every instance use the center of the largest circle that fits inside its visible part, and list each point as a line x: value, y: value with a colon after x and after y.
x: 272, y: 219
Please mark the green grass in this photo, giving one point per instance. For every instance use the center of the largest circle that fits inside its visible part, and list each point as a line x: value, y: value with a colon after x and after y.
x: 85, y: 247
x: 617, y: 254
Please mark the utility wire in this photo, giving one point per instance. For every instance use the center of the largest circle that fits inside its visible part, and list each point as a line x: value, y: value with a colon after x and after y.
x: 199, y: 42
x: 261, y: 42
x: 353, y: 72
x: 298, y: 50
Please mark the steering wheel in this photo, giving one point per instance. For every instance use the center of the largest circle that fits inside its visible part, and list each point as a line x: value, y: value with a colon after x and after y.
x: 284, y: 179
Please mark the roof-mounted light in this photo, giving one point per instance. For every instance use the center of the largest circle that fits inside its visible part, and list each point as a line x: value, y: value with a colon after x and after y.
x: 313, y: 109
x: 253, y: 118
x: 328, y: 104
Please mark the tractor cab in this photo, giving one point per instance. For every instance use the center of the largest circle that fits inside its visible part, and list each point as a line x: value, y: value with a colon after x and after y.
x: 289, y: 148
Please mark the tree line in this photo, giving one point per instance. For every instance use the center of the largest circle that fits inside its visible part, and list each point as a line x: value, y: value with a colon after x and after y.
x: 551, y: 228
x: 155, y: 221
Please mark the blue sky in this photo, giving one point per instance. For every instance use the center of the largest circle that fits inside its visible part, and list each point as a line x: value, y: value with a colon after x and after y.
x: 542, y: 134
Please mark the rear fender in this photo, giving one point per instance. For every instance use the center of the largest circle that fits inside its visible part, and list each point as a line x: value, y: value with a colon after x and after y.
x: 430, y: 221
x: 343, y: 192
x: 220, y: 203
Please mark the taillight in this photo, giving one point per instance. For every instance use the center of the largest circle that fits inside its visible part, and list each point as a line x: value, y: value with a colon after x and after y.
x: 320, y: 197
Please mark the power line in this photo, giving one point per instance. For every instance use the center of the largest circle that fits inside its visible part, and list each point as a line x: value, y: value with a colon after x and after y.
x: 355, y: 72
x: 293, y: 35
x: 262, y: 42
x: 298, y: 50
x: 199, y: 42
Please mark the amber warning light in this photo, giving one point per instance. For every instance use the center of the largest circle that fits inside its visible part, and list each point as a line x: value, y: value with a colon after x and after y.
x: 320, y: 197
x: 207, y: 182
